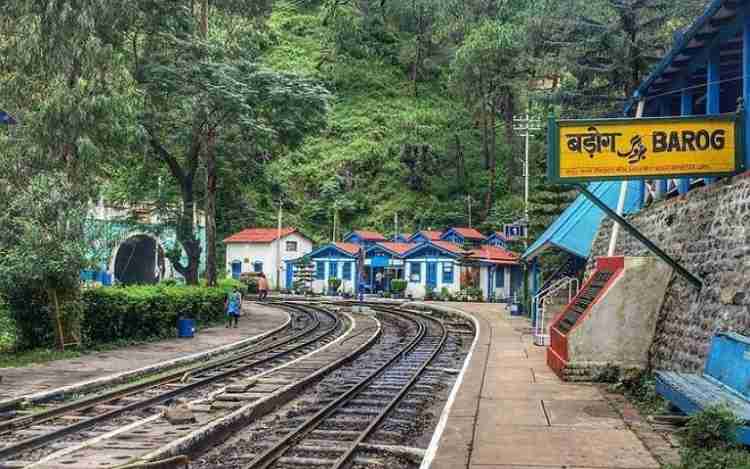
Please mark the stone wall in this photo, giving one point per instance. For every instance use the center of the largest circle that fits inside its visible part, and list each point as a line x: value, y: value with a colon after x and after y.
x: 708, y: 232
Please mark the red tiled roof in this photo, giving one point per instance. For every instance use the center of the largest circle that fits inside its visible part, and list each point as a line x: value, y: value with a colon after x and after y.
x: 430, y: 234
x: 350, y: 248
x: 369, y: 235
x: 450, y: 247
x: 398, y: 248
x: 494, y: 255
x: 469, y: 233
x: 259, y: 235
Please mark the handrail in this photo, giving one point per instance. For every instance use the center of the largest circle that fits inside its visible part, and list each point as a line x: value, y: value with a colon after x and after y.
x: 541, y: 299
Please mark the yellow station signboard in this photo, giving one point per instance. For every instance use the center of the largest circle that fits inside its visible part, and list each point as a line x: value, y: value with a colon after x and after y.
x: 617, y: 149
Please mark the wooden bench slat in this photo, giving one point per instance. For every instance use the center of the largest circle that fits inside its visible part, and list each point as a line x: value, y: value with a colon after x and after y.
x: 703, y: 392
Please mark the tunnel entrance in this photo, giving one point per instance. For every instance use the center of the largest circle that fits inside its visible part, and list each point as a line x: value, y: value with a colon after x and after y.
x: 140, y: 260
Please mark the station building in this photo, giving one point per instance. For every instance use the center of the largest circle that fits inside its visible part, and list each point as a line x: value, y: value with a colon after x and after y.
x: 265, y: 250
x: 437, y: 261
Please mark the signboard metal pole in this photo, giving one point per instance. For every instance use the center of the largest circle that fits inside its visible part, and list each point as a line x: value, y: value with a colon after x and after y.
x: 697, y: 283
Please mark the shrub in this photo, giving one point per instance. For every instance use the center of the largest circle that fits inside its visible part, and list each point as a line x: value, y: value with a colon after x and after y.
x: 429, y: 292
x: 713, y: 459
x: 714, y: 428
x: 147, y: 312
x: 398, y: 286
x: 334, y: 284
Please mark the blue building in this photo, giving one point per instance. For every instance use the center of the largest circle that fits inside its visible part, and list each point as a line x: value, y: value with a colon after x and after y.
x: 425, y: 236
x: 498, y: 240
x: 464, y: 236
x: 335, y: 260
x: 364, y: 238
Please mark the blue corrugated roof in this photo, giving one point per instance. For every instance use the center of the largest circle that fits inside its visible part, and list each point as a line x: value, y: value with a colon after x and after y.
x: 575, y: 229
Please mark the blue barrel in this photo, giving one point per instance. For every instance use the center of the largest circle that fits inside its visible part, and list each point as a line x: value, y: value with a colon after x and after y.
x: 185, y: 328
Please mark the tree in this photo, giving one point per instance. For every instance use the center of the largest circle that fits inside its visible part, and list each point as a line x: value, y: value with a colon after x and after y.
x: 486, y: 72
x: 214, y: 101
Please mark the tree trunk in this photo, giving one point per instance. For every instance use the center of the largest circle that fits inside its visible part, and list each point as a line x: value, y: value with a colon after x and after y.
x: 210, y: 210
x: 56, y: 319
x: 492, y: 160
x: 508, y: 111
x: 460, y: 165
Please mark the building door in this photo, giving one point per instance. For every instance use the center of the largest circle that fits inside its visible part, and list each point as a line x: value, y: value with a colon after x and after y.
x: 432, y: 274
x: 236, y: 269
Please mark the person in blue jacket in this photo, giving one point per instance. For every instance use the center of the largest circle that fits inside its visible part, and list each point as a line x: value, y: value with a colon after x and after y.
x: 233, y: 306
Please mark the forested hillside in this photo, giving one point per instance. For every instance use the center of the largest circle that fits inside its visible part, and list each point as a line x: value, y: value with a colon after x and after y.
x: 346, y: 110
x: 424, y: 94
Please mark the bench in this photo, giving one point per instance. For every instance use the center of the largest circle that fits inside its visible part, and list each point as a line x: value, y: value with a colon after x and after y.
x: 725, y: 380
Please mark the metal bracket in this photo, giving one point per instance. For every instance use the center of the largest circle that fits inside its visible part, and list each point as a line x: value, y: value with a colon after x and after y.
x: 697, y: 282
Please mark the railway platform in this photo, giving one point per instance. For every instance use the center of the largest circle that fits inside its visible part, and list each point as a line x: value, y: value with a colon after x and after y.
x: 39, y: 378
x: 511, y: 411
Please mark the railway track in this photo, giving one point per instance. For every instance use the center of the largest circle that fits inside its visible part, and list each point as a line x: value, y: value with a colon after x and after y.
x: 335, y: 388
x: 62, y: 427
x: 371, y: 406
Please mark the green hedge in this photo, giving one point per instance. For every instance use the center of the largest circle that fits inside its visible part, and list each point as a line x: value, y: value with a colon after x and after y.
x: 148, y: 312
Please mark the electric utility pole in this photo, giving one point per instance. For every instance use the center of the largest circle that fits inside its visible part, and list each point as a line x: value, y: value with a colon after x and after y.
x: 527, y: 125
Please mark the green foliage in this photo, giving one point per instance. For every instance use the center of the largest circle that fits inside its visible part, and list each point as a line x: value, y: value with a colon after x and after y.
x: 147, y: 312
x: 709, y: 441
x: 713, y: 428
x: 334, y: 284
x: 398, y: 286
x: 734, y: 458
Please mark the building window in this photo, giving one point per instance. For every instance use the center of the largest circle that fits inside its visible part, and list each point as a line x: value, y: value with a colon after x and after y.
x: 257, y: 267
x: 347, y: 271
x: 291, y: 246
x: 415, y: 272
x: 447, y: 272
x: 500, y: 278
x: 333, y: 270
x: 320, y: 271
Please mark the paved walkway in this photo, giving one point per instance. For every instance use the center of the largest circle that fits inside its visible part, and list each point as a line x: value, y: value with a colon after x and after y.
x: 512, y: 412
x: 51, y: 375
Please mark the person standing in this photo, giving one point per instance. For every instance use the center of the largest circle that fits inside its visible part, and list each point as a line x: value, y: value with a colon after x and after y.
x: 233, y: 306
x: 262, y: 287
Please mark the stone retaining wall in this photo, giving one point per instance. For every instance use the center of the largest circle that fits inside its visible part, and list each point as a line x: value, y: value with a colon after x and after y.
x: 708, y: 232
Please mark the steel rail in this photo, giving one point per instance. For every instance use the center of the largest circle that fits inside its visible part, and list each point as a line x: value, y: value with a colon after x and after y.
x: 38, y: 441
x: 343, y: 459
x: 268, y: 457
x: 90, y: 402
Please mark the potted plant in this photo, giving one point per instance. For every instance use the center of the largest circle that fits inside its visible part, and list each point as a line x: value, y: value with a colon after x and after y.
x: 429, y: 293
x: 398, y: 287
x: 333, y: 286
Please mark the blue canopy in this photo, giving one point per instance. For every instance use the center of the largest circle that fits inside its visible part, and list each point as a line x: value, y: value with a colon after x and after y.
x: 575, y: 229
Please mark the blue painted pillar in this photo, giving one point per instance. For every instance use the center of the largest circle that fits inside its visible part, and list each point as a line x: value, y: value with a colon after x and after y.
x: 713, y: 102
x: 686, y: 109
x: 746, y: 80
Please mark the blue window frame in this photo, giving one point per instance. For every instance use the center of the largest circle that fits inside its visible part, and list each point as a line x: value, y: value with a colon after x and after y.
x: 257, y: 267
x: 415, y: 272
x: 447, y: 272
x: 320, y: 271
x: 333, y: 269
x: 500, y: 277
x: 346, y: 273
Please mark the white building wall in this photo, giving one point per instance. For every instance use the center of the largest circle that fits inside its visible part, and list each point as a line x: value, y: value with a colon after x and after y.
x: 498, y: 292
x: 419, y: 289
x: 321, y: 286
x: 250, y: 253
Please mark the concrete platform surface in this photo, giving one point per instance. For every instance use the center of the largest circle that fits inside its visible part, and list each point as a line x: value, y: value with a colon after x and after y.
x: 42, y: 377
x: 512, y: 412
